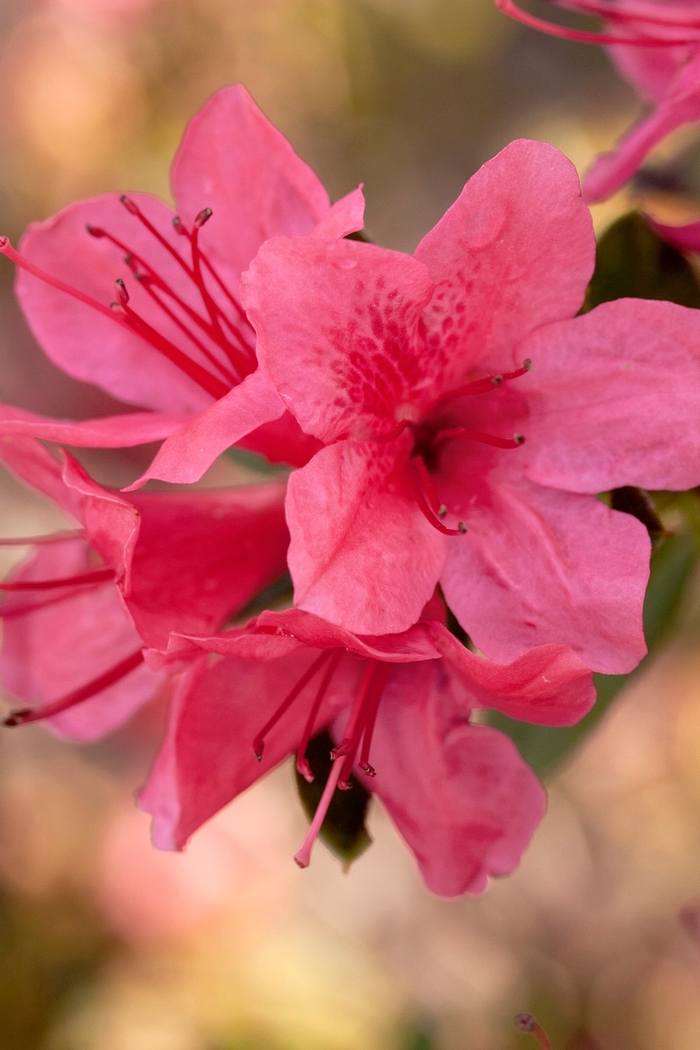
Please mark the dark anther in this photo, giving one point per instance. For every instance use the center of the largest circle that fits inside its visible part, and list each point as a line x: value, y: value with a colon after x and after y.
x: 177, y: 223
x: 204, y: 216
x: 17, y: 717
x: 122, y: 293
x: 370, y: 771
x: 95, y: 231
x: 527, y: 363
x: 525, y: 1022
x: 441, y: 511
x: 518, y: 438
x: 129, y: 204
x: 462, y: 527
x: 128, y: 258
x: 497, y: 380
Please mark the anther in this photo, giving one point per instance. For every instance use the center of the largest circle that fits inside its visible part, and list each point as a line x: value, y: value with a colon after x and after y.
x: 527, y: 1023
x: 441, y: 511
x: 370, y: 771
x: 129, y: 204
x: 527, y: 364
x: 204, y: 216
x: 518, y: 438
x: 177, y: 224
x: 122, y: 293
x: 95, y: 231
x: 461, y: 527
x: 497, y: 380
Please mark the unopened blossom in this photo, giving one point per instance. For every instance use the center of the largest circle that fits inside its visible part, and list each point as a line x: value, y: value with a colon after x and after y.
x: 79, y: 611
x: 399, y: 708
x: 655, y: 45
x: 469, y: 419
x: 143, y: 301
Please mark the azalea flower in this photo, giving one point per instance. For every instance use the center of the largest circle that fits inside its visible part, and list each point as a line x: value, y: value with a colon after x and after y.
x: 469, y: 419
x: 656, y: 47
x: 399, y: 708
x: 79, y: 611
x: 141, y: 300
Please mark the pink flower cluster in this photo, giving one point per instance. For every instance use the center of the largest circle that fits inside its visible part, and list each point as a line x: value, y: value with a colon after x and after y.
x: 448, y: 421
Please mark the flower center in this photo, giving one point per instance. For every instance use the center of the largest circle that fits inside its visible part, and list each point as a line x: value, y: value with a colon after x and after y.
x: 215, y: 342
x: 429, y: 438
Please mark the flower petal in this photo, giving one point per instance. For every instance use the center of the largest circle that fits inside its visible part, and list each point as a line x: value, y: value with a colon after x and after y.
x: 234, y: 161
x: 338, y: 326
x: 615, y: 399
x: 460, y: 795
x: 346, y: 216
x: 82, y: 341
x: 542, y: 566
x: 362, y: 554
x: 124, y: 431
x: 515, y: 251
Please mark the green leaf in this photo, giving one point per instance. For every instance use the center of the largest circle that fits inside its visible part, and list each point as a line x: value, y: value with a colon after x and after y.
x: 344, y: 830
x: 632, y: 260
x: 545, y: 747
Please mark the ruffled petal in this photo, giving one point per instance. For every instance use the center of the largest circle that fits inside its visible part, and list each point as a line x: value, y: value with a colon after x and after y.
x: 542, y: 566
x: 615, y: 399
x: 346, y: 216
x: 460, y: 795
x: 548, y: 685
x: 362, y: 554
x: 124, y: 431
x: 515, y: 251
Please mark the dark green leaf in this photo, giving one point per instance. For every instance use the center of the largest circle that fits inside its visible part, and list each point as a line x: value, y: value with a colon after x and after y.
x: 544, y: 747
x: 632, y: 260
x: 344, y: 830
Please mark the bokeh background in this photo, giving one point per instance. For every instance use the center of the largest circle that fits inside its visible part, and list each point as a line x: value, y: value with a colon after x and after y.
x: 106, y: 944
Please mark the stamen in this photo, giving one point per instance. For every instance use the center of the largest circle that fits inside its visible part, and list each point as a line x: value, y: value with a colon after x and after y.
x: 527, y: 1023
x: 303, y: 766
x: 362, y: 717
x: 84, y: 692
x: 509, y: 8
x: 303, y: 856
x: 427, y: 499
x: 200, y: 375
x: 259, y: 741
x: 481, y: 386
x: 380, y: 676
x: 477, y: 435
x: 98, y: 576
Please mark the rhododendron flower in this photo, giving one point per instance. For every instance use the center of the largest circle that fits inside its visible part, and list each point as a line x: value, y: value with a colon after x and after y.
x: 399, y: 707
x: 78, y: 613
x: 414, y: 371
x: 170, y: 335
x: 656, y: 47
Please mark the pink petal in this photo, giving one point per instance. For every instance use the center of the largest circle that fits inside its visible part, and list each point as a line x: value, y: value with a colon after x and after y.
x: 69, y: 641
x: 202, y: 556
x: 346, y: 216
x: 548, y: 685
x: 651, y: 70
x: 199, y: 768
x: 82, y: 341
x: 543, y: 566
x: 685, y: 238
x: 362, y: 554
x: 681, y: 105
x: 282, y: 441
x: 460, y: 795
x: 131, y: 428
x: 234, y: 161
x: 514, y: 252
x: 338, y: 326
x: 615, y: 399
x: 191, y: 449
x: 409, y: 646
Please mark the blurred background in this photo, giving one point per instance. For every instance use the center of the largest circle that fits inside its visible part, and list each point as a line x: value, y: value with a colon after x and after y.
x: 106, y: 944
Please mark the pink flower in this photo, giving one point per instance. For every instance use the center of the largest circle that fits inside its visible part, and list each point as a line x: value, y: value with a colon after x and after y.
x: 170, y: 335
x: 78, y: 613
x: 459, y: 793
x: 414, y: 373
x: 656, y: 46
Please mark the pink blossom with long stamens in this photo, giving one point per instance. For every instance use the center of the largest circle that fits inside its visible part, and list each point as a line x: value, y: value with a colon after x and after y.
x: 399, y: 708
x: 143, y: 300
x: 469, y: 419
x: 655, y: 45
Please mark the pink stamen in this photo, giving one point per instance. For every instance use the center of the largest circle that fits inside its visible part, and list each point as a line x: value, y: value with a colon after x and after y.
x: 98, y: 576
x: 84, y: 692
x: 380, y: 676
x: 303, y: 766
x: 481, y: 386
x: 477, y: 435
x: 427, y: 499
x: 508, y: 7
x: 200, y: 375
x: 259, y: 741
x: 362, y: 716
x: 303, y: 856
x: 527, y: 1023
